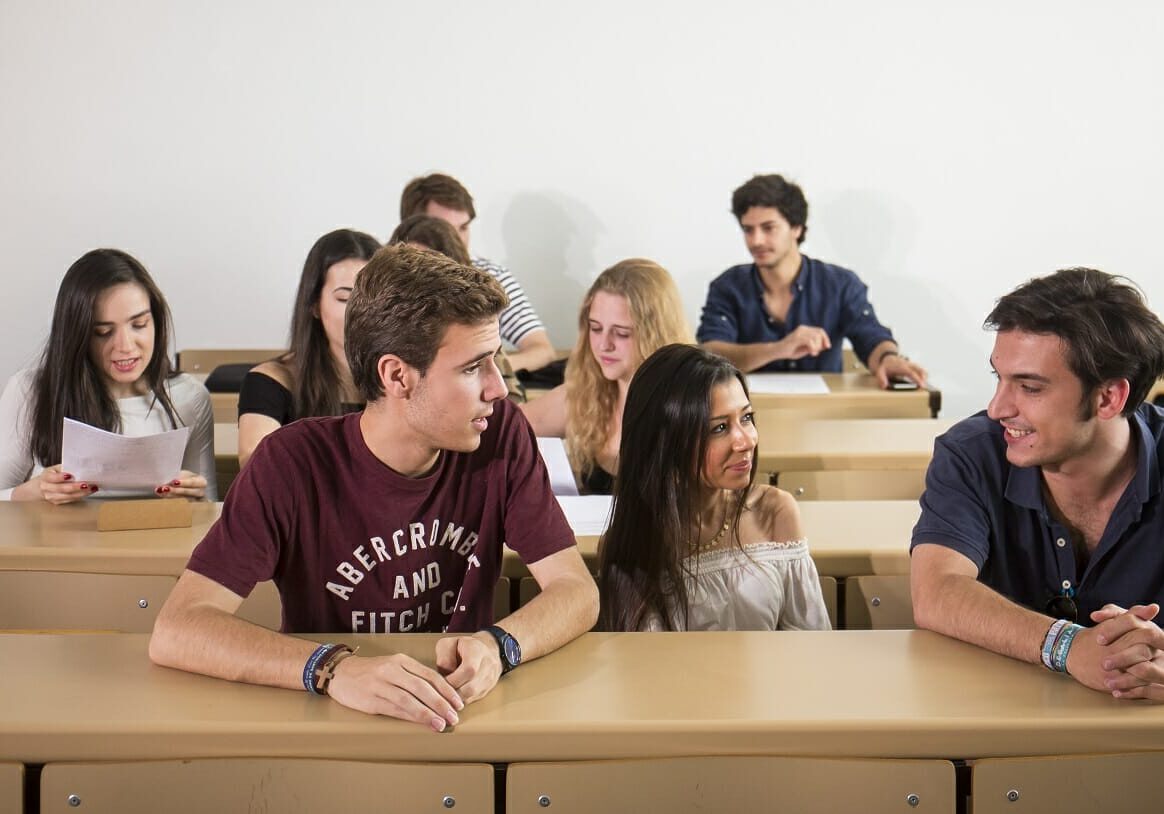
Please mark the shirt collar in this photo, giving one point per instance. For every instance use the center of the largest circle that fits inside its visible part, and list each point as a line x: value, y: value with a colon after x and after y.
x: 1024, y: 485
x: 802, y: 277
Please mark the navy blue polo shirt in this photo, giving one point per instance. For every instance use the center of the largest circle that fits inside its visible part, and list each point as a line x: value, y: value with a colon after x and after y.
x: 823, y: 295
x: 981, y: 506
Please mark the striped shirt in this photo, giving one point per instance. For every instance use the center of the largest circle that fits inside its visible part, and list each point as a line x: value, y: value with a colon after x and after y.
x: 519, y: 317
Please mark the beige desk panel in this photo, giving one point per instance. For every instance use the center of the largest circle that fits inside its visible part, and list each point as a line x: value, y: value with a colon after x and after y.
x: 307, y: 786
x: 853, y: 395
x: 902, y: 694
x: 871, y: 443
x: 40, y: 537
x: 1069, y: 785
x: 737, y: 784
x: 846, y: 537
x: 872, y: 485
x: 11, y: 787
x: 61, y: 601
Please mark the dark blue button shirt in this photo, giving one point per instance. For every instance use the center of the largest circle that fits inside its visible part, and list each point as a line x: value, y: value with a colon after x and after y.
x: 980, y: 505
x: 823, y: 295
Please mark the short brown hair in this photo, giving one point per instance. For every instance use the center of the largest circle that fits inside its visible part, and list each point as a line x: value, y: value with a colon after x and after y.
x: 432, y: 233
x: 444, y: 189
x: 403, y: 302
x: 1103, y: 321
x: 776, y: 192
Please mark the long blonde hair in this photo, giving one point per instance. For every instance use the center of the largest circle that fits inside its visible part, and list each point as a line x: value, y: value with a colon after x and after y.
x: 657, y: 312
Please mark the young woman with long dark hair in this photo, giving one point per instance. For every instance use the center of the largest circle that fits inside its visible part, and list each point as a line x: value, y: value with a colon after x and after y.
x: 312, y: 378
x: 106, y: 363
x: 694, y: 543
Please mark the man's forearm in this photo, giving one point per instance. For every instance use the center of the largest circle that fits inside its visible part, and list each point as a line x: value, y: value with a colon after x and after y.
x: 747, y: 357
x: 961, y: 607
x: 565, y: 609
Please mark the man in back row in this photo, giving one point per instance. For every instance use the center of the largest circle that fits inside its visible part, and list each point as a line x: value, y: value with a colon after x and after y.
x: 442, y: 196
x: 390, y: 520
x: 787, y: 311
x: 1046, y: 509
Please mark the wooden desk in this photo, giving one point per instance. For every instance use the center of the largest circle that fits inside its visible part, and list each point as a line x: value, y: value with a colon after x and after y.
x: 846, y: 444
x: 895, y: 694
x: 854, y: 395
x: 847, y: 538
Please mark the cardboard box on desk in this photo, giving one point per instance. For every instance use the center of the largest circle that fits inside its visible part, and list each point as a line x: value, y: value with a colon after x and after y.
x: 153, y: 513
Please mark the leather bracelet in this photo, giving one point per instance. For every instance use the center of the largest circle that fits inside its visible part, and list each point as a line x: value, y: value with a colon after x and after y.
x: 884, y: 355
x: 326, y: 671
x: 320, y: 655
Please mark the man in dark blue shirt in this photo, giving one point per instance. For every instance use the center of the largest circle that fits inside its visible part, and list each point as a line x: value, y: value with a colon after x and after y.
x: 1046, y: 509
x: 788, y: 311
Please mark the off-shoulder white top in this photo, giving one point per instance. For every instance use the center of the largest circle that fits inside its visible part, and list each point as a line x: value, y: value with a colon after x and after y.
x: 764, y: 586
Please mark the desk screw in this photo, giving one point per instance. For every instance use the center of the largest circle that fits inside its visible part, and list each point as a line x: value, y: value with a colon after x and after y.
x: 74, y: 800
x: 913, y: 800
x: 875, y: 602
x: 1012, y: 795
x: 449, y: 802
x: 799, y: 491
x: 143, y: 603
x: 544, y: 801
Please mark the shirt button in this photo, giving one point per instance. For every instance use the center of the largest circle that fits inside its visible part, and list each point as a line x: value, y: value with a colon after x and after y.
x: 723, y: 318
x: 1060, y: 542
x: 1066, y: 585
x: 792, y: 365
x: 865, y: 312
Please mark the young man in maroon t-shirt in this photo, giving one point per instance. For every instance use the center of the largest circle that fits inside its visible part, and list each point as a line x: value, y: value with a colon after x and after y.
x: 390, y: 520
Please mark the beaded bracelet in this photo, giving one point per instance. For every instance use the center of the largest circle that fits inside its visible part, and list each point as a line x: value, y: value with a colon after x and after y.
x: 319, y: 656
x: 1050, y: 639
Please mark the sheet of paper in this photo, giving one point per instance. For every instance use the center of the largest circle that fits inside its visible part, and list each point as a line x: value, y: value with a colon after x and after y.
x: 787, y: 383
x: 553, y: 452
x: 587, y: 514
x: 120, y: 462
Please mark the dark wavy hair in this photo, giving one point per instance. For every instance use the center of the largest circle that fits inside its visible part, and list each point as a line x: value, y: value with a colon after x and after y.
x: 1105, y: 324
x: 67, y: 384
x: 432, y: 233
x: 658, y: 486
x: 443, y: 189
x: 317, y: 389
x: 776, y: 192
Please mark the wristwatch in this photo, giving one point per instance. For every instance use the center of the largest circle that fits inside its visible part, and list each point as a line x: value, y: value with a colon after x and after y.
x: 507, y: 647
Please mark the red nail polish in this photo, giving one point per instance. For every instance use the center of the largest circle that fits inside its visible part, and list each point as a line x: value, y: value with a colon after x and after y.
x: 158, y: 491
x: 67, y: 476
x: 92, y: 489
x: 84, y: 486
x: 165, y: 489
x: 175, y: 483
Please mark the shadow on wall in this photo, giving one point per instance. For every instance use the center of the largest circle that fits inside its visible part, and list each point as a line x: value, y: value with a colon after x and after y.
x: 550, y: 241
x: 874, y: 235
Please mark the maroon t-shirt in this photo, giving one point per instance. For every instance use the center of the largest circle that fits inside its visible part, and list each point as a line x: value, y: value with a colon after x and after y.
x: 354, y: 546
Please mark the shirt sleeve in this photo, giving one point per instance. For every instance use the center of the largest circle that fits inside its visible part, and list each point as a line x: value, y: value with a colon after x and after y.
x: 804, y: 605
x: 861, y: 326
x: 953, y: 513
x: 720, y: 320
x: 197, y: 413
x: 535, y: 526
x: 263, y: 395
x: 519, y: 318
x: 16, y: 462
x: 243, y: 547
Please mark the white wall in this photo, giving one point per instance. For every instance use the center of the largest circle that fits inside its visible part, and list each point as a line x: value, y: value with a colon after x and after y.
x: 947, y: 154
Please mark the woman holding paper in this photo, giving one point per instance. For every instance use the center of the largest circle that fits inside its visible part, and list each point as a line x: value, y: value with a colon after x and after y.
x: 632, y: 309
x: 312, y: 378
x: 693, y: 542
x: 105, y: 364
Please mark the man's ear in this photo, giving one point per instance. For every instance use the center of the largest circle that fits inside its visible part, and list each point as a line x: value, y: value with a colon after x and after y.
x: 1111, y: 398
x: 397, y: 377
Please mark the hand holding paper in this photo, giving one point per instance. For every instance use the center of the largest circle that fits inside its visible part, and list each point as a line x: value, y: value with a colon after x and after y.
x: 131, y: 465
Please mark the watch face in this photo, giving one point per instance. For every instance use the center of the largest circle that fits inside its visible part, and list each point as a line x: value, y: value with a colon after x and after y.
x: 512, y: 651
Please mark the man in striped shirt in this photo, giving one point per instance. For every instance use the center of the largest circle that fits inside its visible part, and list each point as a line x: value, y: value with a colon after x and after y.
x: 442, y: 196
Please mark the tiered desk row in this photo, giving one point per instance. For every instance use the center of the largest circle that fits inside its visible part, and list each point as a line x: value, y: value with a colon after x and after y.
x: 867, y: 718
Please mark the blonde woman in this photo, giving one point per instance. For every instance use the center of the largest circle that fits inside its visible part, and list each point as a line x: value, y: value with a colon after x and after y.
x: 630, y: 311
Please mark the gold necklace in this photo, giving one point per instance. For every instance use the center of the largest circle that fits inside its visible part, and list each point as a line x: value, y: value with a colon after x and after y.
x: 714, y: 541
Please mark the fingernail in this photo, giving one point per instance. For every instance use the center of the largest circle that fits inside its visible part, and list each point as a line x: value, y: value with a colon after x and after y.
x: 460, y: 703
x: 175, y: 483
x: 67, y: 476
x: 1100, y: 639
x: 454, y: 719
x: 438, y: 724
x: 1107, y: 664
x: 92, y: 489
x: 165, y: 489
x: 158, y: 491
x: 84, y: 486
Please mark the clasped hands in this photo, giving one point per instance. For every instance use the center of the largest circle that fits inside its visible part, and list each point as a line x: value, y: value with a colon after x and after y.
x: 1123, y: 654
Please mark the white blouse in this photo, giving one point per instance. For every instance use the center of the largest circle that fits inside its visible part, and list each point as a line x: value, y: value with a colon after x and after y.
x: 764, y: 586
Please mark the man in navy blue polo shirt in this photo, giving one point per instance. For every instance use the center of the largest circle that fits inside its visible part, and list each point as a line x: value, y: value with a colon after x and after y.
x: 787, y: 311
x: 1046, y: 509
